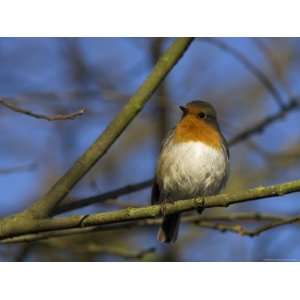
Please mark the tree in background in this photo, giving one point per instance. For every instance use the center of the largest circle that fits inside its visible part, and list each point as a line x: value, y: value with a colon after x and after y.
x: 82, y: 193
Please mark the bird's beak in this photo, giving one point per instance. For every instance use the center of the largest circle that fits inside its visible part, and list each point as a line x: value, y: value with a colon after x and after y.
x: 184, y: 110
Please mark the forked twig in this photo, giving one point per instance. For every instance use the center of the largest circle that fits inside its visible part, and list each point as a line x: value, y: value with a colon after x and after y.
x: 58, y: 117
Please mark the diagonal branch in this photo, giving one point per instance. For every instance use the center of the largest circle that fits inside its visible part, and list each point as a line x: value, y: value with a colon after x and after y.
x: 45, y: 206
x: 76, y: 204
x: 12, y: 227
x: 273, y: 59
x: 266, y: 82
x: 260, y: 126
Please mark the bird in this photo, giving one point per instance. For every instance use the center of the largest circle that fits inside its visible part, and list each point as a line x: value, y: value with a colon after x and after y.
x: 193, y: 162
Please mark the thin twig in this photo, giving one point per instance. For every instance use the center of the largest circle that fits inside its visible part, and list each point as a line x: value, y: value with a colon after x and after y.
x: 21, y: 168
x: 273, y: 60
x: 269, y: 226
x: 260, y: 126
x: 58, y: 117
x: 237, y: 216
x: 76, y: 204
x: 237, y: 228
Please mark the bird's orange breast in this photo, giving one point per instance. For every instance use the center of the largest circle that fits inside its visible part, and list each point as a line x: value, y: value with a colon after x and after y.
x: 192, y: 129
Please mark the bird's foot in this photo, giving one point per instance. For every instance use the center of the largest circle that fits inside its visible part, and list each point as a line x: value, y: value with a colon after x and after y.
x: 200, y: 210
x: 163, y: 208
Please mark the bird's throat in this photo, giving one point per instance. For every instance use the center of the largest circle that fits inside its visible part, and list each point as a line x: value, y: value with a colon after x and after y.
x: 191, y: 128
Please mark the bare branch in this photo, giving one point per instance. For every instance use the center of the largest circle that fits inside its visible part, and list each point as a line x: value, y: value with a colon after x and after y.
x: 96, y: 248
x: 59, y: 117
x: 33, y: 237
x: 260, y: 126
x: 118, y: 251
x: 266, y: 82
x: 237, y: 228
x: 273, y: 60
x: 17, y: 225
x: 21, y: 168
x: 238, y: 216
x: 203, y: 220
x: 76, y: 204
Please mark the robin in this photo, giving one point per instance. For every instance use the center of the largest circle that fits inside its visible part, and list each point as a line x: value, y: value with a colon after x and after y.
x: 193, y: 162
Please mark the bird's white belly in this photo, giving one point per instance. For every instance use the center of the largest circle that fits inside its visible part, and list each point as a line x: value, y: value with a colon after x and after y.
x: 192, y: 169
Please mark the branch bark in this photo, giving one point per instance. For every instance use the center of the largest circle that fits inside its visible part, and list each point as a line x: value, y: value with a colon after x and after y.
x: 11, y: 227
x: 203, y: 221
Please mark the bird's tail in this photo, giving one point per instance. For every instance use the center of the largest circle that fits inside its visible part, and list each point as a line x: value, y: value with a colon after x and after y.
x: 168, y: 231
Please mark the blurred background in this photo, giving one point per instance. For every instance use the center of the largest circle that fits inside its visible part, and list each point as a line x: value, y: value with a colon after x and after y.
x: 246, y: 79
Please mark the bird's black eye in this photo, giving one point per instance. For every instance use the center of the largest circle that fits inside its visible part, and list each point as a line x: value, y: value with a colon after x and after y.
x: 202, y: 115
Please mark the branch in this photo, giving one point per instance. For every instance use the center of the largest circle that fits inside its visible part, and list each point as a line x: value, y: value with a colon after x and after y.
x: 76, y: 204
x: 237, y: 228
x: 45, y: 206
x: 98, y: 249
x: 21, y: 168
x: 273, y: 60
x: 33, y: 237
x: 260, y: 126
x: 16, y: 225
x: 58, y: 117
x: 266, y: 82
x: 203, y: 221
x: 118, y: 251
x: 243, y: 216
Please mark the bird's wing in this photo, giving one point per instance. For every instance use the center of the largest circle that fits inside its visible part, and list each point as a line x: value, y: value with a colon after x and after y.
x: 225, y: 147
x: 155, y: 194
x: 168, y: 138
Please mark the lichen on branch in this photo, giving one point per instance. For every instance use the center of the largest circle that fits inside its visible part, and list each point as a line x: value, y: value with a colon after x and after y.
x: 29, y: 226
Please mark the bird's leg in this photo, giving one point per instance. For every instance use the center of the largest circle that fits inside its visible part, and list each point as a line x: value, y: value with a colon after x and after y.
x: 163, y: 207
x: 200, y: 210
